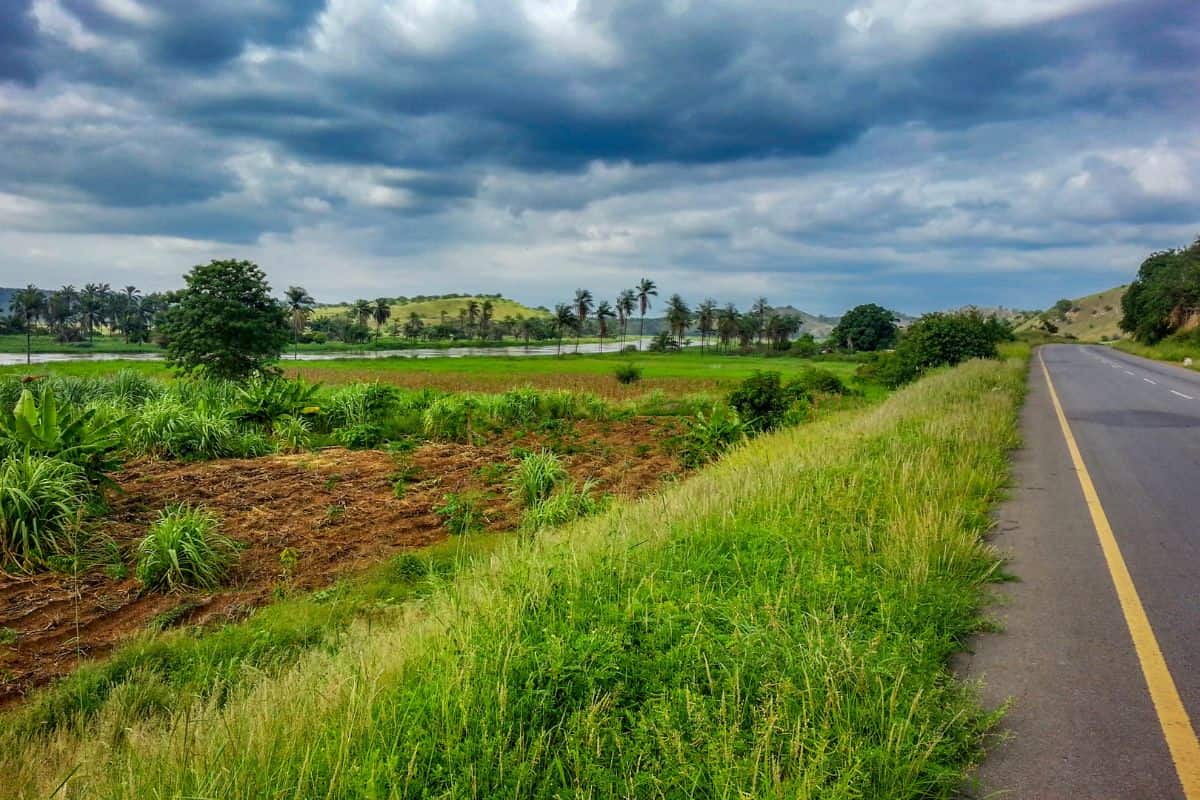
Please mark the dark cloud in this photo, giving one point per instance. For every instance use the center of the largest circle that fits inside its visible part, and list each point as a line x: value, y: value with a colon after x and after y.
x: 18, y: 42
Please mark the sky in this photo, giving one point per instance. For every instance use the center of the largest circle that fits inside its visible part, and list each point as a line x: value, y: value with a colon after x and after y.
x: 921, y: 154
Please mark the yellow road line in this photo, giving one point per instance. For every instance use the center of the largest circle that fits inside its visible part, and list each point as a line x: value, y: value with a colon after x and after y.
x: 1172, y: 716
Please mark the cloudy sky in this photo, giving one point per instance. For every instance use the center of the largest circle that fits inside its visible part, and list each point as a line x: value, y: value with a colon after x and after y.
x: 919, y: 153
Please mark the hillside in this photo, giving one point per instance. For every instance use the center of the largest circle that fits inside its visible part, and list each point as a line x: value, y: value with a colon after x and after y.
x: 431, y: 310
x: 1093, y: 318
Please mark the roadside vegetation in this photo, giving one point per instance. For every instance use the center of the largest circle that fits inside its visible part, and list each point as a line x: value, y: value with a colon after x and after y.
x: 771, y: 625
x: 1161, y: 308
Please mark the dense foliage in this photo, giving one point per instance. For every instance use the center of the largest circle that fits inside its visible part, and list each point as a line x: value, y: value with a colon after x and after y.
x: 226, y: 324
x: 866, y: 327
x: 938, y: 340
x: 1165, y: 297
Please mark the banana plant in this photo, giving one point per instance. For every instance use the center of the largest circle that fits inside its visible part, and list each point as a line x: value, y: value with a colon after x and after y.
x: 83, y: 437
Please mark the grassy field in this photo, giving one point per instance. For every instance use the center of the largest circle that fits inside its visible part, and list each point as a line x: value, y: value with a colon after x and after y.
x: 15, y: 343
x: 431, y: 310
x: 777, y: 625
x: 1172, y: 350
x: 675, y: 373
x: 1092, y: 318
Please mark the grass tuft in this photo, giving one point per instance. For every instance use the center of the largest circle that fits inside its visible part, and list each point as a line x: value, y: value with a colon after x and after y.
x: 184, y: 550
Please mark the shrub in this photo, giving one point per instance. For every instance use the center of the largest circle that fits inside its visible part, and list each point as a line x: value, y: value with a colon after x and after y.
x: 39, y: 425
x: 451, y: 418
x: 461, y: 513
x: 818, y: 381
x: 709, y: 435
x: 536, y: 477
x: 263, y: 400
x: 360, y: 437
x: 569, y: 502
x: 184, y: 550
x: 805, y: 346
x: 760, y: 401
x: 40, y: 502
x: 361, y: 403
x: 292, y: 434
x: 627, y: 374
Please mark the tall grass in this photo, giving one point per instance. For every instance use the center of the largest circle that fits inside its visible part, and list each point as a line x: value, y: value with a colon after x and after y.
x: 536, y: 477
x: 778, y: 625
x: 40, y: 503
x: 184, y: 549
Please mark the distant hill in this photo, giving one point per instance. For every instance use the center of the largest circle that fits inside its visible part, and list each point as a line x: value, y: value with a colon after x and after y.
x: 1093, y: 318
x: 430, y: 311
x: 6, y: 296
x: 818, y: 325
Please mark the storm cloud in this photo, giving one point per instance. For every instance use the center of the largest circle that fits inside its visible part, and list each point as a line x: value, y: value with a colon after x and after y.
x: 916, y: 154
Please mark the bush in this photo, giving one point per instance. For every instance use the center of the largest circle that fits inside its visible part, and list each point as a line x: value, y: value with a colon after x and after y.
x: 461, y: 513
x: 709, y: 435
x: 627, y: 374
x: 361, y: 403
x: 761, y: 401
x: 292, y: 434
x: 40, y: 503
x: 937, y: 340
x: 363, y: 436
x: 805, y: 346
x: 451, y: 418
x: 86, y: 438
x: 184, y: 550
x: 818, y: 381
x: 537, y: 476
x: 264, y: 400
x: 568, y: 503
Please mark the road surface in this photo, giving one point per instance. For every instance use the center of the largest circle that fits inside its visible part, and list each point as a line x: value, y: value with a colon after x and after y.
x: 1093, y: 716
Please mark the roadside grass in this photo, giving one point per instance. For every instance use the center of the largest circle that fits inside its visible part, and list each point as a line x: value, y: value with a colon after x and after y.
x: 777, y: 625
x: 1173, y: 350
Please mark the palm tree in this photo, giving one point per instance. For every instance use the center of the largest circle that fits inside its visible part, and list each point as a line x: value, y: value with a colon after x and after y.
x: 414, y: 326
x: 645, y: 290
x: 678, y: 317
x: 527, y: 326
x: 604, y: 312
x: 472, y: 313
x: 30, y: 303
x: 300, y: 303
x: 727, y: 324
x: 583, y: 306
x: 61, y: 309
x: 486, y: 311
x: 625, y: 305
x: 361, y: 311
x: 92, y: 302
x: 760, y: 309
x: 564, y: 320
x: 381, y: 312
x: 129, y: 304
x: 706, y: 319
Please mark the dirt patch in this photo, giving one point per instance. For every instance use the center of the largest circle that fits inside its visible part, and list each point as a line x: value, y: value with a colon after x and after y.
x: 333, y: 512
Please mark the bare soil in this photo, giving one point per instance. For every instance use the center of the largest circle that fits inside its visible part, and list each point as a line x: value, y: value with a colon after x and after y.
x: 336, y: 511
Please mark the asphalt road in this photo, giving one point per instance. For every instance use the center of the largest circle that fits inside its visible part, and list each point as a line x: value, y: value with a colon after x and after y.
x: 1081, y: 722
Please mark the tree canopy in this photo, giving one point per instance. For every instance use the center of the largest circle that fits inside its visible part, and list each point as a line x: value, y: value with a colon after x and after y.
x: 865, y: 327
x: 225, y: 323
x: 1165, y: 296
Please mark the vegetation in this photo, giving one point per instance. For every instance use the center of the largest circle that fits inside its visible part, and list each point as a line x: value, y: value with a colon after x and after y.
x: 771, y: 626
x: 938, y: 340
x: 627, y: 374
x: 569, y: 502
x: 41, y: 502
x: 462, y: 514
x: 1165, y: 297
x: 761, y: 401
x: 537, y: 476
x: 867, y: 327
x: 184, y: 550
x: 225, y: 324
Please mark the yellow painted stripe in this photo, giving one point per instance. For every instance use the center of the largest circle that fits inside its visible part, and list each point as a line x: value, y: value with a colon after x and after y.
x: 1177, y: 728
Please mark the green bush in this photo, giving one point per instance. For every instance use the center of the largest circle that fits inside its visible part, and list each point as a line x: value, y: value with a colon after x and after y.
x: 761, y: 401
x: 818, y: 381
x: 170, y: 429
x: 805, y: 346
x: 40, y: 503
x: 569, y: 502
x: 451, y: 418
x: 709, y: 435
x: 361, y: 404
x: 263, y: 400
x: 292, y: 434
x: 87, y: 438
x: 627, y: 374
x: 537, y: 476
x: 363, y: 436
x: 462, y: 513
x: 184, y: 550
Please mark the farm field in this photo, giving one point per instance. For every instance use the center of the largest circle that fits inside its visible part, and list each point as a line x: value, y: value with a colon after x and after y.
x: 686, y: 616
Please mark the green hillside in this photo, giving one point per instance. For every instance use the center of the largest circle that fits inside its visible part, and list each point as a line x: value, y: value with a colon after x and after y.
x: 431, y: 310
x: 1091, y: 319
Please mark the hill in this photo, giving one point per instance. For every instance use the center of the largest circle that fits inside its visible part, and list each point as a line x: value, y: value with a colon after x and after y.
x: 430, y: 311
x: 1093, y: 318
x: 818, y: 325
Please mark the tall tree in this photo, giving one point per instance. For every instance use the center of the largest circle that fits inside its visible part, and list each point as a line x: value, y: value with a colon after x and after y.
x: 361, y: 311
x: 487, y: 310
x: 564, y: 320
x: 472, y: 315
x: 300, y: 305
x: 626, y: 302
x: 583, y: 307
x: 130, y: 307
x: 381, y: 312
x: 865, y: 327
x: 414, y: 326
x: 93, y: 301
x: 225, y: 324
x: 30, y: 304
x: 706, y: 319
x: 760, y: 309
x: 679, y: 316
x: 645, y: 290
x: 604, y: 312
x: 727, y: 325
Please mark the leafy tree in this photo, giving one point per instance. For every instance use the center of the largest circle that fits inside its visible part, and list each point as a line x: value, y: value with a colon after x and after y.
x: 761, y: 401
x: 937, y: 340
x: 1165, y: 296
x: 865, y: 327
x: 583, y: 306
x: 805, y: 346
x: 225, y: 323
x: 644, y: 291
x: 300, y: 303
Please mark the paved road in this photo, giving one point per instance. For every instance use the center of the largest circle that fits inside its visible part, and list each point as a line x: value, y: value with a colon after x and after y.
x: 1082, y: 723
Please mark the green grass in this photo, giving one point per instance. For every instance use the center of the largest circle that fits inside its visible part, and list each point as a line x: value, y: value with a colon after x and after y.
x: 15, y: 343
x: 431, y: 310
x: 1173, y: 350
x: 1092, y: 318
x: 778, y: 625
